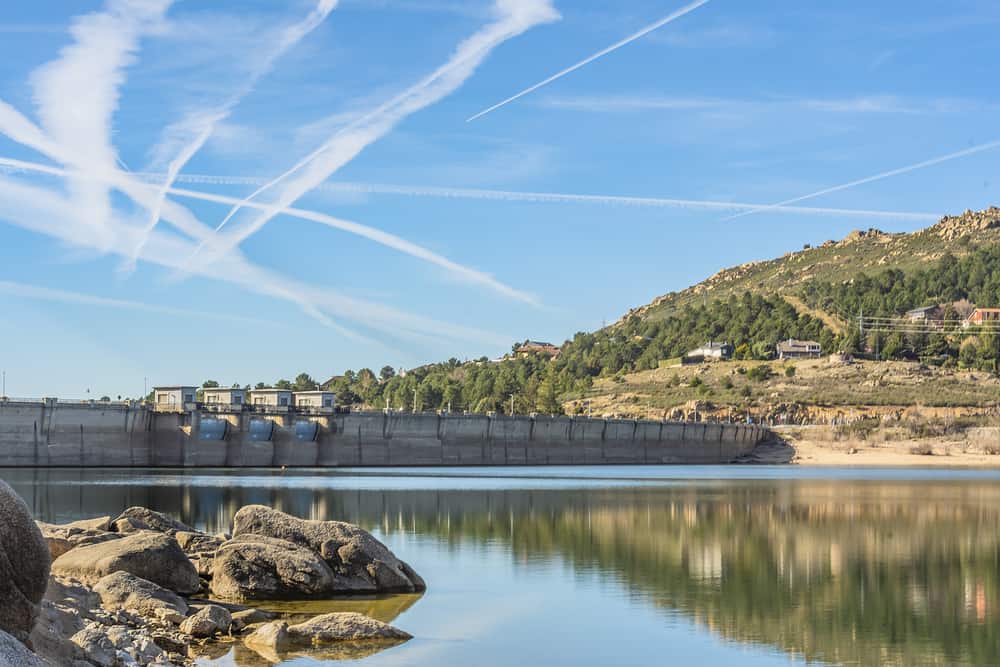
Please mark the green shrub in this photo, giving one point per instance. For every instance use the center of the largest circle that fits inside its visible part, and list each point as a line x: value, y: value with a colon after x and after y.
x: 860, y: 430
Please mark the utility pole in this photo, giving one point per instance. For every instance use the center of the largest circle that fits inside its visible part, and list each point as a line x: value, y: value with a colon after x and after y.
x: 4, y: 393
x: 512, y: 405
x: 414, y: 400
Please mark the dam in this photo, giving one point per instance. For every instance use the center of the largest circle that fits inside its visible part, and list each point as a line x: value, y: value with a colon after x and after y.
x: 54, y: 433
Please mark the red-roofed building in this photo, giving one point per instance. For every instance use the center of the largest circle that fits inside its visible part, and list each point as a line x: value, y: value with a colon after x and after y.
x: 537, y: 347
x: 982, y: 316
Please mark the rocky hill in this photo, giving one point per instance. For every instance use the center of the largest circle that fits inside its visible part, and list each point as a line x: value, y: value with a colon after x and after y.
x: 868, y: 250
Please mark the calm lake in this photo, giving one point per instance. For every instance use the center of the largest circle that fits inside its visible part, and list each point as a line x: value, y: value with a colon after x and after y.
x: 629, y: 566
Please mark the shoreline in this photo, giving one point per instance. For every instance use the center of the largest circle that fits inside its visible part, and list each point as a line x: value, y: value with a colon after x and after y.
x: 937, y: 452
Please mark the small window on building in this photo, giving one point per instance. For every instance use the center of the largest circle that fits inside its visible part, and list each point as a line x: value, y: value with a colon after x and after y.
x: 237, y: 400
x: 283, y: 400
x: 328, y: 402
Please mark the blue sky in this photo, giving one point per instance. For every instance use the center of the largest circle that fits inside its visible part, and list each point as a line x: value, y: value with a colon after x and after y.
x: 735, y: 102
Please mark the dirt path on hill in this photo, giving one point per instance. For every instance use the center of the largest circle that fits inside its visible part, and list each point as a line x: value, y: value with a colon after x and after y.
x: 799, y: 305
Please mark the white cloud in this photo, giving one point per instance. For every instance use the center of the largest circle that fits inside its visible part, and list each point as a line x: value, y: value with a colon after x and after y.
x: 183, y: 139
x: 45, y: 212
x: 77, y: 95
x: 514, y: 18
x: 39, y: 293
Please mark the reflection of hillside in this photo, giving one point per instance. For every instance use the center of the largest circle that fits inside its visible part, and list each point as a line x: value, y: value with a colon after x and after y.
x: 841, y: 572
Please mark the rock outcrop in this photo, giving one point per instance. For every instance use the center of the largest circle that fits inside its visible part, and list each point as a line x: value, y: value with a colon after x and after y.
x: 65, y: 537
x: 147, y: 519
x: 15, y: 654
x: 155, y: 557
x: 255, y: 567
x: 24, y: 565
x: 117, y: 595
x: 207, y: 622
x: 271, y: 638
x: 360, y: 563
x: 341, y: 627
x: 124, y: 590
x: 971, y: 222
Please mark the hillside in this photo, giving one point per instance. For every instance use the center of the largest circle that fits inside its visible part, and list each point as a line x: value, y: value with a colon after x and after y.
x: 627, y: 369
x: 867, y: 251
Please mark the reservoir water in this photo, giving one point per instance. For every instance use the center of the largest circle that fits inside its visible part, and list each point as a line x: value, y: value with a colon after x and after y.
x: 628, y: 566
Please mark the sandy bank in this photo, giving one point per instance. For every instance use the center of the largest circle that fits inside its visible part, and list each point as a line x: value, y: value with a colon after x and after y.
x: 813, y: 447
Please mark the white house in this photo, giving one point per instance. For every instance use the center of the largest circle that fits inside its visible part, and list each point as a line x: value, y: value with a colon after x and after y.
x: 315, y: 399
x: 223, y: 396
x: 799, y: 349
x: 170, y: 399
x: 712, y: 350
x: 271, y: 397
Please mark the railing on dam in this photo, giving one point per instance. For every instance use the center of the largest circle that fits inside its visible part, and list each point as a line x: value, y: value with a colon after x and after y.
x: 91, y: 402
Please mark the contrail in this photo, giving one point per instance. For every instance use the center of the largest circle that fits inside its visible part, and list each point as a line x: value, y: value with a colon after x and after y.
x: 202, y: 124
x: 77, y: 95
x: 600, y: 54
x: 23, y: 131
x: 542, y: 197
x: 515, y: 17
x: 877, y: 177
x: 20, y: 129
x: 371, y: 233
x: 46, y: 212
x: 37, y: 292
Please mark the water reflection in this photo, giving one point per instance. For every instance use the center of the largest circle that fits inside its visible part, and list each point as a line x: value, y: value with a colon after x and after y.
x: 842, y: 572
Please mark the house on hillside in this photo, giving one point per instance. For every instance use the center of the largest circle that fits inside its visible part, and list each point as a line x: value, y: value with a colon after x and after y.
x: 710, y: 351
x: 537, y: 347
x: 799, y: 349
x: 926, y: 314
x: 981, y: 316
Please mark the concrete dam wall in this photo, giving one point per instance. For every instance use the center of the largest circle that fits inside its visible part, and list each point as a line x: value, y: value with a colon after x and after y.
x: 59, y: 434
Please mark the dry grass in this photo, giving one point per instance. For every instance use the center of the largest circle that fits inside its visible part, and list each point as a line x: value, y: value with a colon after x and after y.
x: 828, y: 388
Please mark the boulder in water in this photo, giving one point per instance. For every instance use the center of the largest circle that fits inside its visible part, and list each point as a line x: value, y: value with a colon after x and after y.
x: 341, y: 627
x: 253, y: 567
x: 359, y: 561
